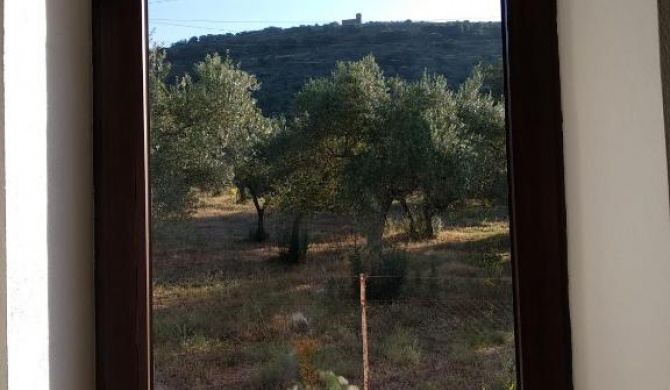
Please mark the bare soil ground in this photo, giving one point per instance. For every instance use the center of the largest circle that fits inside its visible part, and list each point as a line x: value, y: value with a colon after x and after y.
x: 228, y: 315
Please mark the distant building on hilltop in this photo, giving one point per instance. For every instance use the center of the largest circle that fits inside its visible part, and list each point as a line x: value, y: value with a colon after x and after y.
x: 353, y: 22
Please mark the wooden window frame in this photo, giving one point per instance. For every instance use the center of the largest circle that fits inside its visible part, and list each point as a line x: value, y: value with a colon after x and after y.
x: 664, y: 33
x: 537, y: 195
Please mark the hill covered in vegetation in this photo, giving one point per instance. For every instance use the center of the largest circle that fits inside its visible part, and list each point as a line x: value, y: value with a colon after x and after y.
x: 284, y: 59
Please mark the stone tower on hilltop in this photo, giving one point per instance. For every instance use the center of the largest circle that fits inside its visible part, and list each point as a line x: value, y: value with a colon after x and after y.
x: 354, y: 22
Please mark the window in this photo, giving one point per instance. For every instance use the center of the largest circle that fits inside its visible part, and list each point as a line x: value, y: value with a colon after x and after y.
x: 537, y: 197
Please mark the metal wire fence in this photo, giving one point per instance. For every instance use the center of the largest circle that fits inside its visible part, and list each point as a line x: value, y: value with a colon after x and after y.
x: 438, y: 333
x: 227, y: 316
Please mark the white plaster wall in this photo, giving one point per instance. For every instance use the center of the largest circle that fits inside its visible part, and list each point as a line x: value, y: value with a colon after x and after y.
x: 617, y: 194
x: 3, y: 241
x: 48, y: 167
x: 26, y: 194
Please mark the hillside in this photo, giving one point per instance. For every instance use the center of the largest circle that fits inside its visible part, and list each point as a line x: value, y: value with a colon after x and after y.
x: 283, y: 59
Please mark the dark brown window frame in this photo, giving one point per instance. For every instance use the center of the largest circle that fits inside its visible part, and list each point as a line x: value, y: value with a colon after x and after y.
x: 537, y: 195
x: 664, y: 32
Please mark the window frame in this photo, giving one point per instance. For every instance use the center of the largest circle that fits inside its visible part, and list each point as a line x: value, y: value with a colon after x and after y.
x: 664, y: 33
x: 537, y: 195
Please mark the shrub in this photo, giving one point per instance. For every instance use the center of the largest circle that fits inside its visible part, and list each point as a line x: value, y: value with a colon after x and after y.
x: 387, y: 275
x: 328, y: 380
x: 286, y: 255
x: 402, y: 348
x: 279, y: 372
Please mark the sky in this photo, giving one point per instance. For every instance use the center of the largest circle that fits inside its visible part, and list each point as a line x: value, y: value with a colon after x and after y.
x: 174, y: 20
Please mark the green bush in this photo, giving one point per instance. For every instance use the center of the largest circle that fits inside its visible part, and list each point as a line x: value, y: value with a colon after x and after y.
x: 327, y: 380
x: 279, y: 372
x: 299, y: 254
x: 402, y: 348
x: 386, y: 276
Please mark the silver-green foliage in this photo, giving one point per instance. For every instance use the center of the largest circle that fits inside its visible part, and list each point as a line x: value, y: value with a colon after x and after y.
x: 482, y: 120
x: 358, y: 140
x: 202, y: 126
x: 361, y: 140
x: 364, y: 138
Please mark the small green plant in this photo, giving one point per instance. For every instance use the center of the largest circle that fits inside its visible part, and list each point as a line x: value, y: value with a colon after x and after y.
x: 479, y: 336
x: 328, y: 380
x: 492, y: 264
x: 278, y: 372
x: 402, y: 348
x: 331, y: 381
x: 506, y: 378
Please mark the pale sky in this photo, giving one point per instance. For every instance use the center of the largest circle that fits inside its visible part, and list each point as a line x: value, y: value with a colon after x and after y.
x: 174, y: 20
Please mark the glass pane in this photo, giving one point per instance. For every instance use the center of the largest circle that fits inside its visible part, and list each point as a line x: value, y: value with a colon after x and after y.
x: 329, y: 196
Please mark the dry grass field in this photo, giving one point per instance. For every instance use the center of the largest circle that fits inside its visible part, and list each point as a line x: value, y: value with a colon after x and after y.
x: 229, y: 315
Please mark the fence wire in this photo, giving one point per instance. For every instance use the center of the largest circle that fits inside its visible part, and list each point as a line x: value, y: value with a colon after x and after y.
x: 438, y: 333
x: 226, y: 316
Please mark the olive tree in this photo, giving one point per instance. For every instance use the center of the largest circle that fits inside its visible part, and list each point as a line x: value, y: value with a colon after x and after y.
x: 340, y: 122
x: 481, y: 118
x: 468, y: 154
x: 441, y: 177
x: 363, y: 139
x: 202, y: 127
x: 172, y: 160
x: 254, y: 170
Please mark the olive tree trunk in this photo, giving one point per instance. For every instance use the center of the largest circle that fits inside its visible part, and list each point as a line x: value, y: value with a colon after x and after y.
x: 408, y: 214
x: 427, y: 231
x: 374, y: 231
x: 240, y: 194
x: 261, y: 235
x: 295, y: 252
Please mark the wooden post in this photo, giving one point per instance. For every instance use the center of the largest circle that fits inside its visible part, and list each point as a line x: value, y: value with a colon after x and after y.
x: 364, y: 333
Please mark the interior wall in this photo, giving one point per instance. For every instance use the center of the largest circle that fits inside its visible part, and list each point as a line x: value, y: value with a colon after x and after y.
x: 70, y: 194
x: 49, y: 195
x: 3, y: 235
x: 617, y: 194
x: 26, y: 194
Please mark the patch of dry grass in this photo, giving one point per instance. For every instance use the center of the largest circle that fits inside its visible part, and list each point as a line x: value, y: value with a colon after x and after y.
x: 228, y: 317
